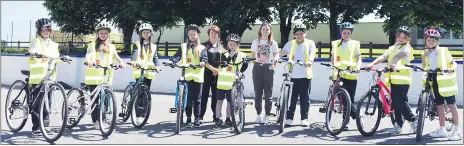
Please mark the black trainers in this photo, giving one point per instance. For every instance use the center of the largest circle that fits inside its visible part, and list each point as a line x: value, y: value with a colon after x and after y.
x: 189, y: 123
x: 197, y: 123
x: 36, y: 132
x: 345, y: 128
x: 219, y: 123
x: 228, y: 122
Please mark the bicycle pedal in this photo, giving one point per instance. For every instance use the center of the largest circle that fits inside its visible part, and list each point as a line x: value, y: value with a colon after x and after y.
x: 322, y: 110
x: 173, y: 110
x: 15, y: 103
x: 72, y: 120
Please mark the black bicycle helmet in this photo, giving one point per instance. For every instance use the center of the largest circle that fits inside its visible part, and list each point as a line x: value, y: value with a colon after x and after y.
x: 404, y: 29
x: 43, y: 22
x: 234, y: 37
x: 103, y: 25
x: 299, y: 27
x: 193, y: 26
x: 346, y: 25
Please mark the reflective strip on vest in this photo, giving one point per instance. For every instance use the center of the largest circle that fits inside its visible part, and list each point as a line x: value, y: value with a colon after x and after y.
x: 146, y: 62
x: 344, y: 59
x: 38, y: 67
x: 307, y: 43
x: 188, y: 57
x: 226, y: 75
x: 94, y: 76
x: 403, y: 77
x: 447, y: 84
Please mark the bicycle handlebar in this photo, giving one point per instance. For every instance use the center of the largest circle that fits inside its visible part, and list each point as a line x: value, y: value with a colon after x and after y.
x: 379, y: 70
x: 247, y: 60
x: 291, y: 62
x: 438, y: 70
x: 64, y: 58
x: 115, y: 67
x: 172, y: 65
x: 138, y: 66
x: 348, y: 69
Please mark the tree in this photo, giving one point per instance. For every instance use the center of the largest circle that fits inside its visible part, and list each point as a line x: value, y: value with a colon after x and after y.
x: 237, y: 16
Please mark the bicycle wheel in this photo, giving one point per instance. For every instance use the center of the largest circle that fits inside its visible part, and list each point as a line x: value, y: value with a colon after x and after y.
x: 76, y: 107
x: 107, y: 113
x: 283, y: 109
x: 141, y: 104
x: 179, y: 108
x: 53, y: 113
x: 237, y: 109
x: 336, y: 106
x: 16, y: 106
x: 126, y: 105
x: 421, y: 108
x: 371, y: 109
x: 323, y: 109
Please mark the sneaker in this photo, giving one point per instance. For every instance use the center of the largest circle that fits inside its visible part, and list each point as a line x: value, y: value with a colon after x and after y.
x: 36, y: 132
x: 345, y: 128
x: 265, y: 119
x: 96, y: 125
x: 456, y: 135
x: 189, y: 123
x: 396, y: 129
x: 228, y: 122
x: 414, y: 126
x: 305, y: 123
x: 288, y: 122
x: 219, y: 123
x: 201, y: 121
x: 258, y: 119
x: 197, y: 123
x: 439, y: 133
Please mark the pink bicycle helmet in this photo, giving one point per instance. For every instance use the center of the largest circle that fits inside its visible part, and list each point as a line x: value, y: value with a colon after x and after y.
x: 432, y: 33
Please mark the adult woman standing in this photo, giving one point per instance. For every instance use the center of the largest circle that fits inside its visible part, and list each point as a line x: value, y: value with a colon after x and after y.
x: 264, y: 49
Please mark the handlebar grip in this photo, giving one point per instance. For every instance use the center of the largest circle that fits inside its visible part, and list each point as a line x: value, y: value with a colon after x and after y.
x: 128, y: 63
x: 325, y: 64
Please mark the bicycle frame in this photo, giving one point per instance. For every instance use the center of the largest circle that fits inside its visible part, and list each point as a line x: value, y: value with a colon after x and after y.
x: 183, y: 82
x: 382, y: 87
x: 100, y: 87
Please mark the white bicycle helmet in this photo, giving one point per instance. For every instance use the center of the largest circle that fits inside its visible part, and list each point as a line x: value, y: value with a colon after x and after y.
x: 103, y: 25
x: 145, y: 26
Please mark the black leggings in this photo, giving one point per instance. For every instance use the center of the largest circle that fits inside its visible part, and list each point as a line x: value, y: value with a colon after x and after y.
x: 210, y: 83
x: 194, y: 99
x: 146, y: 81
x: 143, y: 100
x: 400, y: 104
x: 302, y: 88
x: 350, y: 86
x: 35, y: 118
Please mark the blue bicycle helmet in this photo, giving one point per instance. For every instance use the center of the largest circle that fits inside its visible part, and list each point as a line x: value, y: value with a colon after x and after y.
x: 346, y: 25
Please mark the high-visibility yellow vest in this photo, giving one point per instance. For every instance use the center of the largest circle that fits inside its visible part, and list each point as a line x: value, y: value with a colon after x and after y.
x: 94, y: 76
x: 38, y: 66
x: 306, y: 44
x: 146, y: 60
x: 447, y: 85
x: 345, y: 58
x: 404, y: 76
x: 189, y: 58
x: 226, y: 75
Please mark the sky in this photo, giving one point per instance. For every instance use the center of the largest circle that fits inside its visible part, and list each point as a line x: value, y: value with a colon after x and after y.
x: 23, y: 15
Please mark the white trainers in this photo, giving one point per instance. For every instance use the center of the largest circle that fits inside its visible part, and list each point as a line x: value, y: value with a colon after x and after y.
x: 96, y: 125
x: 288, y: 122
x: 439, y: 133
x: 305, y: 123
x: 414, y: 126
x: 258, y: 119
x: 265, y: 119
x: 456, y: 135
x: 396, y: 129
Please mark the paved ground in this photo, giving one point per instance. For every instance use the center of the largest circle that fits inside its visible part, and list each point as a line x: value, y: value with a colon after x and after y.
x: 160, y: 130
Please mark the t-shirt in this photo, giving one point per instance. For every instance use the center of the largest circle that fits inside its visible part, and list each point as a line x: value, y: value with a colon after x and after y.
x: 433, y: 59
x: 406, y: 50
x: 264, y: 54
x: 298, y: 70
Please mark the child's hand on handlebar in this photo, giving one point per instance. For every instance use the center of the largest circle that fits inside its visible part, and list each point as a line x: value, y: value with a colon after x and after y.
x: 202, y: 64
x: 308, y: 63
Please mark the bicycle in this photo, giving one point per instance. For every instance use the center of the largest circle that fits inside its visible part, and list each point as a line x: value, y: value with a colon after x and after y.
x: 282, y: 103
x: 426, y: 106
x: 238, y: 104
x: 181, y: 93
x: 383, y: 105
x: 137, y: 93
x: 107, y: 103
x: 26, y: 104
x: 337, y: 93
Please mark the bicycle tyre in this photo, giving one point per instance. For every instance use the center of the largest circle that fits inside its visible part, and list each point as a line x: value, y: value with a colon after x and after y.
x: 113, y: 103
x: 346, y: 97
x: 23, y: 122
x: 179, y: 109
x: 421, y: 120
x: 126, y: 105
x: 237, y: 103
x: 283, y: 108
x: 371, y: 98
x: 64, y: 114
x: 79, y: 117
x: 145, y: 93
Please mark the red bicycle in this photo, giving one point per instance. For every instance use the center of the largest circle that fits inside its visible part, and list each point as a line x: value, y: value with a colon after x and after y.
x: 371, y: 106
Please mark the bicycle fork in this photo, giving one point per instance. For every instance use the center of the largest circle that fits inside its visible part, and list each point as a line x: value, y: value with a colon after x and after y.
x: 184, y: 97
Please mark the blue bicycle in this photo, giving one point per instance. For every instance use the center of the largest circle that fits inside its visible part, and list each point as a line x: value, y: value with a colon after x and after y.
x: 181, y: 91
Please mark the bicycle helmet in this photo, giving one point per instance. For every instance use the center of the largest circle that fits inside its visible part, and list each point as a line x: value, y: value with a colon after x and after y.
x: 404, y: 29
x: 432, y: 33
x: 234, y: 37
x: 299, y: 27
x: 103, y: 25
x: 193, y: 26
x: 346, y: 25
x: 43, y: 22
x: 145, y: 26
